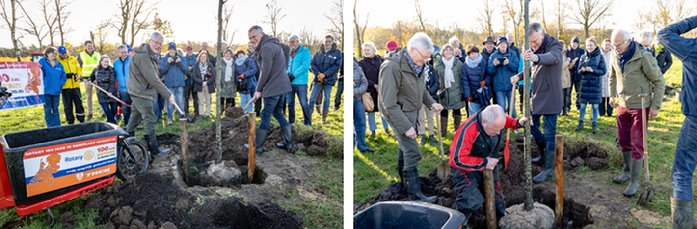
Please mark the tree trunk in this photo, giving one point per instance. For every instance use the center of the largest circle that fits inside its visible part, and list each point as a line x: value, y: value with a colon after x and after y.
x: 528, y: 205
x: 218, y: 72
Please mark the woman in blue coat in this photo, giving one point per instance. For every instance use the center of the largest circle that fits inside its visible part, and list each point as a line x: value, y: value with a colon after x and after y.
x: 54, y: 77
x: 473, y: 78
x: 245, y: 71
x: 591, y: 68
x: 502, y: 65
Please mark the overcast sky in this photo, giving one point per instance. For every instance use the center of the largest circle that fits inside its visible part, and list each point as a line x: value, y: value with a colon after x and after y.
x: 191, y: 20
x: 448, y: 12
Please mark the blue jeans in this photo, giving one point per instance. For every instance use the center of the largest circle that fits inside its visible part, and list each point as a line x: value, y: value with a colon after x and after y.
x: 157, y: 105
x: 301, y: 91
x: 373, y: 126
x: 359, y: 125
x: 474, y: 108
x: 550, y: 130
x: 178, y: 93
x: 126, y: 98
x: 273, y: 106
x: 109, y: 109
x: 244, y: 98
x: 51, y: 114
x: 685, y: 160
x: 503, y: 99
x: 316, y: 89
x: 583, y: 112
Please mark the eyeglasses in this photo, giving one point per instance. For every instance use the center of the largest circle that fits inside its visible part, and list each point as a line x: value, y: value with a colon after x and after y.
x: 425, y: 58
x: 620, y: 44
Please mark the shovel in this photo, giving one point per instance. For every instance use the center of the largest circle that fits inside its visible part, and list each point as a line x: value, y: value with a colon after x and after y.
x: 443, y: 168
x: 253, y: 100
x: 647, y: 194
x: 507, y: 150
x: 109, y: 94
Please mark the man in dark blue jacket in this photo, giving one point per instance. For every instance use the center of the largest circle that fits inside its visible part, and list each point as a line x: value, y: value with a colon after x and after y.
x: 190, y: 58
x: 574, y: 53
x: 686, y: 151
x: 325, y: 65
x: 173, y: 68
x: 502, y: 65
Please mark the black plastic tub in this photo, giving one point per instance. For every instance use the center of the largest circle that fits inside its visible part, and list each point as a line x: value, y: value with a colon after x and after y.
x: 59, y: 159
x: 404, y: 215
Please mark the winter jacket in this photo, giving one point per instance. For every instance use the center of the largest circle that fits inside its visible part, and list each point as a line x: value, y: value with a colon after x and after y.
x: 190, y: 61
x: 173, y: 73
x: 471, y: 147
x: 432, y: 82
x: 121, y: 68
x: 371, y: 69
x: 360, y: 83
x: 511, y: 46
x: 664, y: 60
x: 591, y: 82
x: 471, y: 78
x: 450, y: 98
x: 273, y: 65
x: 208, y: 77
x: 73, y: 71
x: 328, y: 63
x: 54, y: 76
x: 605, y: 83
x: 228, y: 87
x: 143, y: 75
x: 673, y: 42
x: 485, y: 58
x: 546, y: 83
x: 402, y: 92
x: 299, y: 65
x: 249, y: 83
x: 573, y: 54
x: 640, y: 73
x: 105, y: 78
x: 565, y: 73
x: 501, y: 74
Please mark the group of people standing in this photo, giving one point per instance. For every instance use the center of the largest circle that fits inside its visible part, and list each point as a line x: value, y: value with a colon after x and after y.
x: 623, y: 75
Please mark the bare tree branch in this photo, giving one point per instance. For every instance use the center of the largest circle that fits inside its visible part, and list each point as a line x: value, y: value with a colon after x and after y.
x: 139, y: 23
x: 275, y: 15
x: 32, y: 28
x: 50, y: 19
x: 588, y: 12
x: 62, y: 13
x: 360, y: 32
x: 419, y: 15
x: 486, y: 19
x: 11, y: 19
x: 336, y: 17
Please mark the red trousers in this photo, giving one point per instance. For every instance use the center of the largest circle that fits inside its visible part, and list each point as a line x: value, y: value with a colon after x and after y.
x: 629, y: 131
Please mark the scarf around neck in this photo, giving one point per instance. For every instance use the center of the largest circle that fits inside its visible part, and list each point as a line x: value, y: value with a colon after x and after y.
x: 203, y: 68
x: 473, y: 63
x: 624, y: 57
x: 449, y: 75
x: 240, y: 61
x: 228, y: 69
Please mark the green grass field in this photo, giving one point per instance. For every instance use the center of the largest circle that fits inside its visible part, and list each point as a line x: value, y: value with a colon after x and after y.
x: 326, y: 213
x: 374, y: 171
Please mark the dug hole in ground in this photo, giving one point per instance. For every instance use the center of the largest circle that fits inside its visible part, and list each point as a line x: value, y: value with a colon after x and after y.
x: 218, y: 195
x: 590, y: 201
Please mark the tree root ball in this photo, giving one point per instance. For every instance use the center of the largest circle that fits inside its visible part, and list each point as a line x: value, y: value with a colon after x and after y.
x: 540, y: 217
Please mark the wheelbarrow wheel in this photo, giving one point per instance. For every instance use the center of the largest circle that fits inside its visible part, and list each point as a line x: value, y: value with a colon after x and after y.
x: 133, y: 159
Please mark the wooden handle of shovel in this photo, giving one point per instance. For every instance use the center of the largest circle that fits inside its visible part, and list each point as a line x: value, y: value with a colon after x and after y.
x: 184, y: 135
x: 489, y: 207
x: 251, y: 162
x: 559, y: 167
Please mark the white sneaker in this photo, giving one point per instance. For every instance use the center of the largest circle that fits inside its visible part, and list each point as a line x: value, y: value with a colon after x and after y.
x: 169, y: 122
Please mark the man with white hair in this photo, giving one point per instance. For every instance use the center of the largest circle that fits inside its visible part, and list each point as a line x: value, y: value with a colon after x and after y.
x: 511, y: 43
x: 477, y: 146
x: 298, y: 68
x: 546, y: 55
x: 633, y: 72
x: 143, y: 84
x: 402, y: 93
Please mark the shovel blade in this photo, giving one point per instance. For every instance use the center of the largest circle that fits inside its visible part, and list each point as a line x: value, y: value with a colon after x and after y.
x: 442, y: 171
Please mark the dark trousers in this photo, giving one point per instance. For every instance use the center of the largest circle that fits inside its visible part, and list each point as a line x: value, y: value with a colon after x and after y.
x: 567, y: 99
x: 469, y: 188
x: 226, y: 102
x: 550, y: 130
x: 72, y: 98
x: 126, y: 98
x: 339, y: 93
x: 258, y: 104
x: 142, y: 110
x: 605, y: 107
x: 158, y: 104
x: 51, y: 114
x: 189, y: 92
x: 273, y: 107
x: 685, y: 160
x: 577, y: 88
